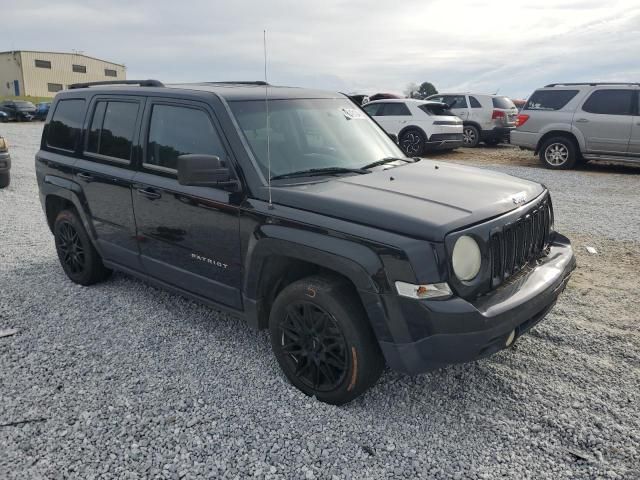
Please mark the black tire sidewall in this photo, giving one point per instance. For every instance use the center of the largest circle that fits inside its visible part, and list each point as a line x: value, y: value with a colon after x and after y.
x: 5, y: 179
x: 365, y: 362
x: 423, y: 142
x: 571, y: 148
x: 93, y: 268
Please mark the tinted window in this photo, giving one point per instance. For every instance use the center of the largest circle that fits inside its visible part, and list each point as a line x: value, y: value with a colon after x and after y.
x: 373, y: 109
x: 435, y: 109
x: 549, y: 99
x: 394, y: 109
x: 54, y: 87
x: 502, y: 102
x: 176, y: 131
x: 43, y: 64
x: 110, y: 73
x: 79, y: 68
x: 455, y: 101
x: 112, y: 129
x: 610, y: 102
x: 475, y: 103
x: 65, y: 125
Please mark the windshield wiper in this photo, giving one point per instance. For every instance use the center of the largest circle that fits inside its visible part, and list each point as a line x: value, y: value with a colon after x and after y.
x: 316, y: 172
x: 385, y: 160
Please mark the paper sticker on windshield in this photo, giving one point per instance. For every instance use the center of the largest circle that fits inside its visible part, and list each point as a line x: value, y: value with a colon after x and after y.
x: 352, y: 113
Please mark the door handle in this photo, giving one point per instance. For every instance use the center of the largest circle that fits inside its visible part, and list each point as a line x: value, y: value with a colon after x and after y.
x: 149, y: 193
x: 582, y: 120
x: 85, y: 176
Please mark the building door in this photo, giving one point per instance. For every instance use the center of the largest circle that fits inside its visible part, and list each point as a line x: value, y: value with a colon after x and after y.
x: 16, y: 87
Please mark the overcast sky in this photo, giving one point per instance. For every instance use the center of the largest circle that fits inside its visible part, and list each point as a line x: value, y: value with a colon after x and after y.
x: 509, y: 46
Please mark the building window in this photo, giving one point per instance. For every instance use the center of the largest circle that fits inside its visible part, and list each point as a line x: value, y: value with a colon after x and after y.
x: 110, y: 73
x: 43, y: 64
x: 79, y: 68
x: 54, y: 87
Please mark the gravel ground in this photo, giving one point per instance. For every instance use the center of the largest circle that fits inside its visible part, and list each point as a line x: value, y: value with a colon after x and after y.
x: 122, y: 380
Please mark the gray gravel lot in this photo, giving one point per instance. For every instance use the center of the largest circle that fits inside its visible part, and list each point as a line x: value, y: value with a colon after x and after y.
x: 122, y: 380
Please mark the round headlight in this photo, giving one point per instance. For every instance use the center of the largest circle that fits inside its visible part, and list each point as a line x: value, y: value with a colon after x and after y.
x: 466, y: 258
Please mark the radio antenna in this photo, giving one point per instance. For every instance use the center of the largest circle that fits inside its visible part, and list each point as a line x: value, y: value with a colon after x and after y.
x: 266, y: 108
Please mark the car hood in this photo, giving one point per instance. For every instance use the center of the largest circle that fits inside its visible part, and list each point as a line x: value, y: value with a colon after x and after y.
x: 426, y: 199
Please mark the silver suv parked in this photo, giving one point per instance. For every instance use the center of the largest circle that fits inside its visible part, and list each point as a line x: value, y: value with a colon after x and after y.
x: 570, y: 122
x: 486, y: 118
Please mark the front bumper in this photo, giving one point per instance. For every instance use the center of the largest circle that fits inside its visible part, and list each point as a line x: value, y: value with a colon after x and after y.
x: 5, y: 162
x: 456, y: 330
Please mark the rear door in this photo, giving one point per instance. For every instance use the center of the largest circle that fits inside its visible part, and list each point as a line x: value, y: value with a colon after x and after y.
x: 189, y: 236
x: 634, y: 143
x: 394, y: 116
x: 605, y: 120
x: 105, y: 172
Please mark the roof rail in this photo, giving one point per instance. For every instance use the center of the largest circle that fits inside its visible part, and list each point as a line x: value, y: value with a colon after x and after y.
x: 142, y: 83
x: 588, y: 83
x: 241, y: 82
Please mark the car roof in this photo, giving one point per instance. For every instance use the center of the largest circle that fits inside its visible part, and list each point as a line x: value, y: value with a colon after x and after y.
x: 404, y: 100
x: 231, y: 91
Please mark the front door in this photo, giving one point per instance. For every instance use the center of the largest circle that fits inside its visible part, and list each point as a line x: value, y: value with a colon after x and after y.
x: 605, y: 121
x: 105, y: 173
x: 188, y: 236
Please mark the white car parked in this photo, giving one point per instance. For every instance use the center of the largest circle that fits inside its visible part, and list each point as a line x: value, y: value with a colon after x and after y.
x: 419, y: 125
x: 487, y: 118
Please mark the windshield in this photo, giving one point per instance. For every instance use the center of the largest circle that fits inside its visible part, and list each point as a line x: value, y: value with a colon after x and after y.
x: 312, y: 134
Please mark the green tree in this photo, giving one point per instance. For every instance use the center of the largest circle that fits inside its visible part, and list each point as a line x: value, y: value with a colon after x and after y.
x: 426, y: 89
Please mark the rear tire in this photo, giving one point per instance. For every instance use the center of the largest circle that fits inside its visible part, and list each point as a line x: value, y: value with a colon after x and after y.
x: 5, y: 179
x: 78, y: 257
x: 470, y: 136
x: 413, y: 143
x: 322, y: 340
x: 558, y: 153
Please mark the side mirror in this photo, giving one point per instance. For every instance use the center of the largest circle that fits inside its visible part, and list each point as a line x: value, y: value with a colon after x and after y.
x: 203, y: 171
x: 394, y: 137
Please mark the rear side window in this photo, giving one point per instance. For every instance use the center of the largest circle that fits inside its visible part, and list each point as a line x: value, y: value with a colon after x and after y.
x: 435, y: 109
x: 394, y: 109
x: 609, y: 102
x: 112, y: 129
x: 474, y: 102
x: 175, y: 131
x: 455, y: 101
x: 549, y: 99
x: 373, y: 109
x: 66, y: 124
x: 503, y: 102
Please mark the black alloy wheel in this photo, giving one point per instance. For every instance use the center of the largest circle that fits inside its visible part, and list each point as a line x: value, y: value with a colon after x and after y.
x: 412, y: 143
x: 314, y: 346
x: 78, y: 257
x: 70, y: 249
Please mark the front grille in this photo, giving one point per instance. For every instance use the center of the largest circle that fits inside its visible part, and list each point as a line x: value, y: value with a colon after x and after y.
x: 516, y: 244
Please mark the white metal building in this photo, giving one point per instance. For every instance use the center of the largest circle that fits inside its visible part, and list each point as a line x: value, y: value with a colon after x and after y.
x: 42, y: 74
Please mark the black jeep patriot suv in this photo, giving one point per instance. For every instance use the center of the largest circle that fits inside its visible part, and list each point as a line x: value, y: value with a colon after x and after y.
x: 354, y: 258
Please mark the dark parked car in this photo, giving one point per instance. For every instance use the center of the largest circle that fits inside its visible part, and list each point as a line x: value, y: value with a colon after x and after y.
x: 18, y: 110
x: 5, y: 163
x: 313, y: 225
x: 4, y: 117
x: 42, y: 110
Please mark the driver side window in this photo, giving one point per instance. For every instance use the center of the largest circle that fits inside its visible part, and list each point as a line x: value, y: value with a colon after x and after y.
x: 175, y: 131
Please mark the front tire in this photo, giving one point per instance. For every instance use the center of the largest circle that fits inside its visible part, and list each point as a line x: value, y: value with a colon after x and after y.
x: 413, y: 143
x: 470, y: 136
x: 322, y: 340
x: 78, y: 257
x: 558, y: 153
